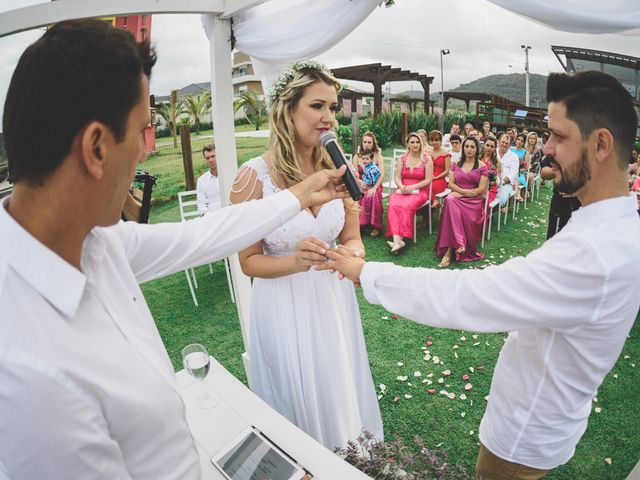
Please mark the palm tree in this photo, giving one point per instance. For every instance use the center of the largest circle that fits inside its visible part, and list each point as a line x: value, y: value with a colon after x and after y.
x: 170, y: 112
x: 254, y: 107
x: 197, y: 107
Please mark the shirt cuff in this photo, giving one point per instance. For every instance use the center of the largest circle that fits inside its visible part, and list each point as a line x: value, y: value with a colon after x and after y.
x: 287, y: 205
x: 368, y: 280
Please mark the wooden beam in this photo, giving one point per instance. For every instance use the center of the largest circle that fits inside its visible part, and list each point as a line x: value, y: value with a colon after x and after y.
x: 45, y: 14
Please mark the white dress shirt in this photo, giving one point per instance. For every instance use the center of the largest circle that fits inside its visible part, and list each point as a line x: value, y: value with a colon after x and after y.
x: 571, y: 304
x: 510, y: 165
x: 208, y: 192
x: 87, y: 390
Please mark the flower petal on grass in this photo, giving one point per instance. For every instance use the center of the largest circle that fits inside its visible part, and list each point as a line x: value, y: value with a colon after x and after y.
x: 427, y: 357
x: 462, y: 414
x: 607, y: 461
x: 407, y: 396
x: 463, y: 397
x: 431, y: 391
x: 402, y: 378
x: 465, y: 377
x: 468, y: 387
x: 400, y: 364
x: 417, y: 373
x: 446, y: 373
x: 597, y: 409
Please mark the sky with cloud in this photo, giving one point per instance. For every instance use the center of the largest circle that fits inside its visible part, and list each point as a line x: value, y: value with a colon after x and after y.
x: 483, y: 39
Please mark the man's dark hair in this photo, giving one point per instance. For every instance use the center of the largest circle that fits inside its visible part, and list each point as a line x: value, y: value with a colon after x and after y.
x: 454, y: 137
x: 209, y: 147
x: 596, y: 100
x: 79, y: 71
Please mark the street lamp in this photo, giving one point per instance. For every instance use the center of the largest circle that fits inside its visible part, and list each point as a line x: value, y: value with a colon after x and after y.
x: 444, y: 51
x: 526, y: 72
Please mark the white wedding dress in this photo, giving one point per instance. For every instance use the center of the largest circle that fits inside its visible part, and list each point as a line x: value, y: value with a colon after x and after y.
x: 308, y: 356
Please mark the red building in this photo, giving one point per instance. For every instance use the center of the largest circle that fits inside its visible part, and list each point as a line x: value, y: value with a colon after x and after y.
x: 140, y: 27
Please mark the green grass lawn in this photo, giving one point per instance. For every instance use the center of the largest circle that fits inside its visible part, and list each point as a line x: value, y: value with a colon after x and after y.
x: 613, y: 433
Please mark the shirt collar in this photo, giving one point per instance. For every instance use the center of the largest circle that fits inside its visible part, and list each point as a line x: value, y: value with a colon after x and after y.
x: 55, y: 279
x: 597, y: 212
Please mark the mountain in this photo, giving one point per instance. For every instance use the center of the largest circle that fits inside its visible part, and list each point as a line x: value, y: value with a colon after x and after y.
x: 511, y: 86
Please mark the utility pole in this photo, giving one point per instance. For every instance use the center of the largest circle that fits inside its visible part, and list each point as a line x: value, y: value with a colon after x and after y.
x: 526, y: 72
x: 442, y: 53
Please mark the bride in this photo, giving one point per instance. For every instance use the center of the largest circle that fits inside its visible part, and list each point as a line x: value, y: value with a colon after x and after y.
x: 308, y: 356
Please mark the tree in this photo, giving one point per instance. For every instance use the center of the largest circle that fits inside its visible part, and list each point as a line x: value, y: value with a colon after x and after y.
x: 254, y: 107
x: 170, y: 112
x: 196, y: 107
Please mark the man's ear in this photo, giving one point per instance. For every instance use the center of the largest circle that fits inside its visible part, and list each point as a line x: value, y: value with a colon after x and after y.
x: 94, y: 143
x: 604, y: 145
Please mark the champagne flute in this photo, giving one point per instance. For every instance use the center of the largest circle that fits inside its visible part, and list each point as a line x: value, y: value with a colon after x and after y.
x: 197, y: 362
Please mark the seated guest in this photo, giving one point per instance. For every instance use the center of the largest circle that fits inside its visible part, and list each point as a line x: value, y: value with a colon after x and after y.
x: 462, y: 215
x: 207, y: 186
x: 634, y: 162
x: 486, y: 131
x: 467, y: 129
x: 441, y: 165
x: 455, y: 130
x: 510, y: 169
x: 423, y: 136
x: 490, y: 159
x: 523, y: 158
x: 456, y: 148
x: 369, y: 166
x: 413, y: 176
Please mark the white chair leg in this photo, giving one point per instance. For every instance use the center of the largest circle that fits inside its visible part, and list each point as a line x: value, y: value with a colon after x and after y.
x: 490, y: 219
x: 210, y: 269
x: 195, y: 280
x: 228, y: 272
x: 193, y: 293
x: 415, y: 230
x: 430, y: 219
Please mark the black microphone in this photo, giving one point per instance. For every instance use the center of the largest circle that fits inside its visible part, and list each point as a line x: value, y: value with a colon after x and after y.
x: 329, y: 141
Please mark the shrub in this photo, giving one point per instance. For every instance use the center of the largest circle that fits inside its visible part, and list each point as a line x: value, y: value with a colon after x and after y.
x: 343, y: 119
x: 345, y: 136
x: 394, y: 460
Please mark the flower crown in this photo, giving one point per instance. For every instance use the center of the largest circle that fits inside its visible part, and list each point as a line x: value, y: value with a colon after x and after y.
x: 288, y: 73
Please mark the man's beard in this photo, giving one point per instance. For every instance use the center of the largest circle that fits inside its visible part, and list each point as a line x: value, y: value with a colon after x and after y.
x: 574, y: 177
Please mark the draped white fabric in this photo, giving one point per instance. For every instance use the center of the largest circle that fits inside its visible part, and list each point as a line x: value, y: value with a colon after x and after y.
x: 278, y: 32
x: 580, y: 16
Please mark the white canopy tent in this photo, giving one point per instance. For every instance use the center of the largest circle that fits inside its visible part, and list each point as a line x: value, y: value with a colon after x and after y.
x: 276, y: 32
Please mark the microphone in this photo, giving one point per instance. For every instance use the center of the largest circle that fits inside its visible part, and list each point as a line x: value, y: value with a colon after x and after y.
x: 329, y: 141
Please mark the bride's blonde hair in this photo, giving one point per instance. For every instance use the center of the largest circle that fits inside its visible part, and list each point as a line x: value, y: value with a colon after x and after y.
x: 282, y: 141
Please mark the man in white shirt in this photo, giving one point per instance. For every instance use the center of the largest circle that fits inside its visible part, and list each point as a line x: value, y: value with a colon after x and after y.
x: 207, y: 186
x: 510, y: 169
x: 568, y: 306
x: 87, y: 390
x: 456, y: 148
x: 455, y: 130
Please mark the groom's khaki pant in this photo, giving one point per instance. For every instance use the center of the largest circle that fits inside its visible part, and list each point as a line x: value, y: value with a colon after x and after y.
x: 492, y: 467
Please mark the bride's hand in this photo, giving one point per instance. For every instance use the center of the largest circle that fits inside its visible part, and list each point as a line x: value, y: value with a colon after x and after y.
x: 310, y: 251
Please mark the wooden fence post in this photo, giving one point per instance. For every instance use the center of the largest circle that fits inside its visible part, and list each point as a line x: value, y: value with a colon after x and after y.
x: 404, y: 127
x: 187, y: 160
x: 355, y: 132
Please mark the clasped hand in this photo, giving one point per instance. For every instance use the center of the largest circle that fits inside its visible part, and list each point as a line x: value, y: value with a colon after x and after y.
x: 346, y: 262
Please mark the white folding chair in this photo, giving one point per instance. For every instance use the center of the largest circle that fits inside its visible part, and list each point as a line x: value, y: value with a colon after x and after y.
x: 390, y: 184
x: 188, y: 204
x: 426, y: 204
x: 488, y: 211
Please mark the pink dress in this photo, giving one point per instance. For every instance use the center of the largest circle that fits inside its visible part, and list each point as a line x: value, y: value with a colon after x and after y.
x: 440, y: 184
x: 462, y: 217
x: 371, y: 207
x: 402, y: 208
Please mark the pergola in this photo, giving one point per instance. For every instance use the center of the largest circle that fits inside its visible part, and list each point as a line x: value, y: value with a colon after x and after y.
x: 353, y: 96
x: 467, y: 97
x: 378, y: 75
